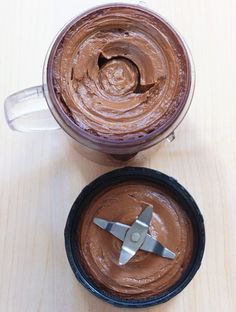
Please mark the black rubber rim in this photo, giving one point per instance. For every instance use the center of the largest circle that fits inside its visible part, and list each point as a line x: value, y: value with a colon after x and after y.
x: 121, y: 175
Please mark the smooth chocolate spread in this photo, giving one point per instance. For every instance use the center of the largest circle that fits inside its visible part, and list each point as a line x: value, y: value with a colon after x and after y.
x: 145, y: 275
x: 121, y: 72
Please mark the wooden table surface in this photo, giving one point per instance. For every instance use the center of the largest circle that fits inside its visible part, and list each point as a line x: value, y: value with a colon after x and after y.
x: 40, y: 175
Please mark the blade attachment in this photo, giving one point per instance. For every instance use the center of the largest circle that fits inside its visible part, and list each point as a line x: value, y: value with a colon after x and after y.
x: 135, y: 236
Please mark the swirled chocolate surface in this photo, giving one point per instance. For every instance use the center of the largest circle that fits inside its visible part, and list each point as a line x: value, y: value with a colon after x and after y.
x: 145, y: 275
x: 120, y: 73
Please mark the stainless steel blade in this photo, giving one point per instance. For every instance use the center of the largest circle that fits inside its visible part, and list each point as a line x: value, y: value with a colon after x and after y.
x: 115, y: 228
x: 135, y: 235
x: 145, y: 217
x: 150, y: 244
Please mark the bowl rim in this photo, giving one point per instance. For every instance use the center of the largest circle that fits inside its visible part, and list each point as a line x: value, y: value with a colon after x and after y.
x: 122, y: 175
x: 98, y: 142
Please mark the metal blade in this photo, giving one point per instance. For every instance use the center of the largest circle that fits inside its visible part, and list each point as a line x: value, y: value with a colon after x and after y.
x: 135, y: 235
x: 115, y: 228
x: 125, y: 255
x: 150, y: 244
x: 145, y: 217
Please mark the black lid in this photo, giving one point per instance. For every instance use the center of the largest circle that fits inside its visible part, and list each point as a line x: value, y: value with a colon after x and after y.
x: 122, y: 175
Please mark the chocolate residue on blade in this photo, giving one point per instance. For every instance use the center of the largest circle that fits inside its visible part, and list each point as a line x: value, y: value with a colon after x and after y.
x: 120, y: 73
x: 146, y: 274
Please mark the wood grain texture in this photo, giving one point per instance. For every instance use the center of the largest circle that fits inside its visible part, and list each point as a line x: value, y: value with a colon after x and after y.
x: 40, y: 175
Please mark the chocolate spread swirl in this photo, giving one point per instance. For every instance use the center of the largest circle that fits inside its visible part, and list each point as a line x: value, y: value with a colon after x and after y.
x: 121, y: 72
x: 145, y: 275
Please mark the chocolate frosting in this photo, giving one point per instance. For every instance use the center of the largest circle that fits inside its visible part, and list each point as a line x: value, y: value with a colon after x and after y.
x: 145, y: 275
x: 121, y: 72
